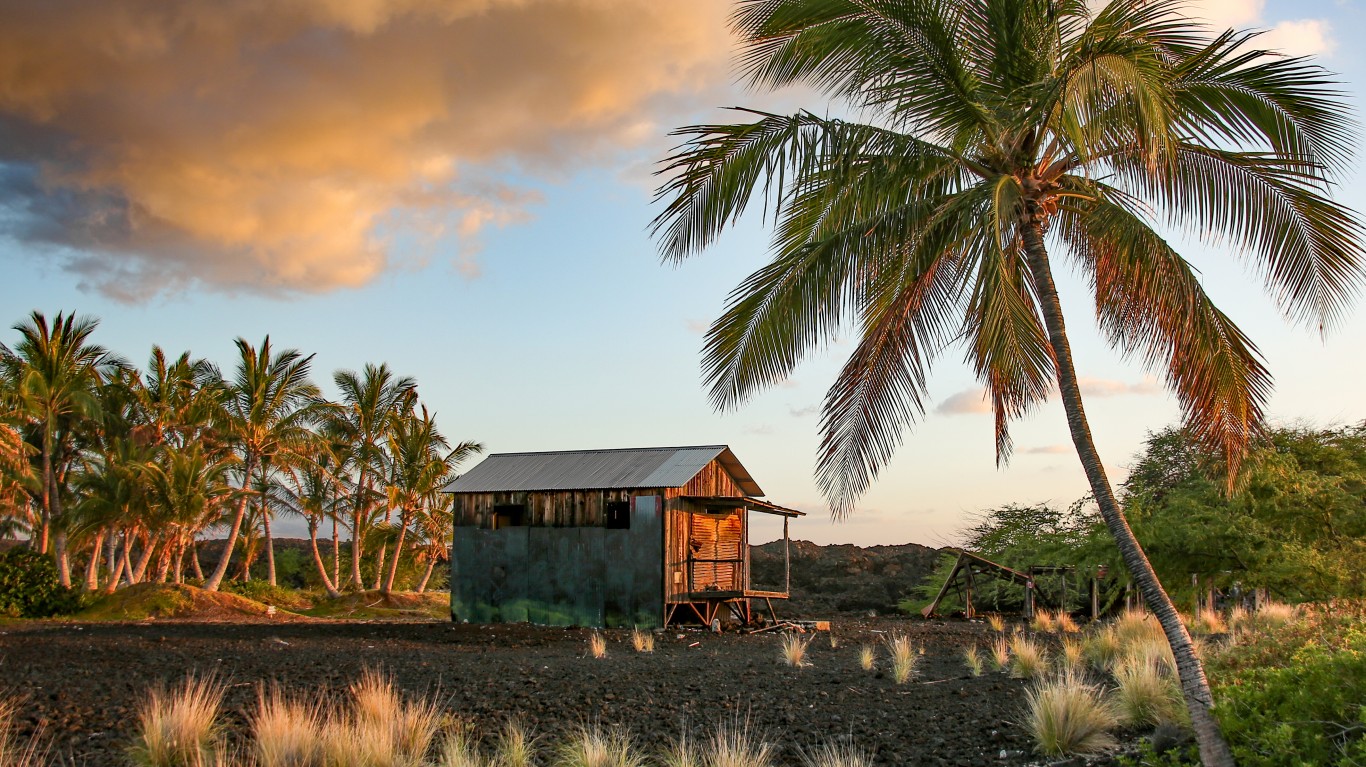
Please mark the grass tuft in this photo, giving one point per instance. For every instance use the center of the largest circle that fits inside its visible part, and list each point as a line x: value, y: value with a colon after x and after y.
x: 458, y: 750
x: 179, y: 727
x: 1145, y: 694
x: 973, y: 660
x: 1073, y: 653
x: 904, y: 657
x: 792, y: 650
x: 515, y: 746
x: 13, y: 752
x: 867, y: 657
x: 1043, y: 622
x: 1065, y: 623
x: 997, y: 623
x: 831, y: 755
x: 598, y: 747
x: 735, y: 746
x: 597, y: 645
x: 681, y: 753
x: 1000, y: 653
x: 286, y: 732
x: 1102, y: 648
x: 642, y: 641
x: 1066, y: 716
x: 1028, y: 660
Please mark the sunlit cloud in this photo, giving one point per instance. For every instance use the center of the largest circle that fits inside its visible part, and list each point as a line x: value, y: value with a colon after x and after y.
x: 965, y: 402
x: 150, y: 146
x: 1104, y: 387
x: 1296, y: 37
x: 1049, y: 450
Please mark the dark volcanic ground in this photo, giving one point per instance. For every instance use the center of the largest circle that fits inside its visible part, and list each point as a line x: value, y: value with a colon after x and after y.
x: 83, y: 683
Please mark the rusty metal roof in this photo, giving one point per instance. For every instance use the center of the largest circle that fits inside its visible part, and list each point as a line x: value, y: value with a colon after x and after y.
x: 599, y: 470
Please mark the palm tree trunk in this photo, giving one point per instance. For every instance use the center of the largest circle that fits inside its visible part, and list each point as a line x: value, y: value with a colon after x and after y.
x: 92, y: 569
x: 194, y: 561
x: 1214, y: 750
x: 380, y: 560
x: 112, y: 565
x: 427, y: 576
x: 318, y: 560
x: 270, y: 545
x: 398, y: 551
x: 59, y: 540
x: 47, y: 492
x: 336, y: 552
x: 361, y: 492
x: 222, y: 568
x: 148, y: 546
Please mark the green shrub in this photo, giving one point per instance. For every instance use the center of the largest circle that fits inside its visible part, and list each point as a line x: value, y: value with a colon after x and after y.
x: 1296, y: 694
x: 30, y: 588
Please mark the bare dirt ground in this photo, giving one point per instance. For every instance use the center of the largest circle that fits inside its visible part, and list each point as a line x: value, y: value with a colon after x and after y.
x: 82, y: 683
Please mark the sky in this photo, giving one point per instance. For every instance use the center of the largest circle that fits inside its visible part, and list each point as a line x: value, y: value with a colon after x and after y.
x: 463, y: 189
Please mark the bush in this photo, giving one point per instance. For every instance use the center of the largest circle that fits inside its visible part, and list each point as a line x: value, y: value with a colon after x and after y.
x: 1293, y: 694
x: 29, y: 586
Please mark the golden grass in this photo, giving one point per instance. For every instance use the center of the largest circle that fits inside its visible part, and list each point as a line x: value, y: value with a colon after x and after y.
x: 680, y: 753
x: 1065, y: 623
x: 458, y: 750
x: 972, y: 659
x: 1073, y: 653
x: 515, y: 746
x: 904, y: 657
x: 1146, y: 693
x: 1276, y: 614
x: 179, y: 727
x: 997, y: 623
x: 13, y: 752
x: 1043, y: 622
x: 867, y: 657
x: 1206, y: 621
x: 831, y: 755
x: 1134, y: 626
x: 286, y: 732
x: 642, y: 641
x: 596, y: 746
x: 1102, y: 648
x: 1028, y: 660
x: 1065, y: 715
x: 735, y: 745
x: 834, y: 640
x: 792, y: 650
x: 1000, y: 653
x: 597, y: 645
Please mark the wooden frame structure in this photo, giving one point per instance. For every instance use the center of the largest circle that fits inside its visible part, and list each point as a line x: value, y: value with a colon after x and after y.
x: 972, y: 565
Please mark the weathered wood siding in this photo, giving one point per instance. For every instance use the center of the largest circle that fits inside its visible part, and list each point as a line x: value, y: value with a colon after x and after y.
x: 564, y: 508
x: 688, y: 534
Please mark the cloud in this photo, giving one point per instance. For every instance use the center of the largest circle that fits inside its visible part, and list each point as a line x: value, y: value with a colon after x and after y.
x: 1102, y: 387
x: 967, y: 401
x: 283, y: 147
x: 803, y: 412
x: 1296, y: 37
x: 698, y: 326
x: 1049, y: 450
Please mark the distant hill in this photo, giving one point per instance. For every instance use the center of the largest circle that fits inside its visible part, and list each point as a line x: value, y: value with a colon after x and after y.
x: 842, y: 578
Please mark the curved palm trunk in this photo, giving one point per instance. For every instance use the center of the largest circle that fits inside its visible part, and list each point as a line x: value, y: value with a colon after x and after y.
x: 398, y: 552
x: 222, y: 568
x: 427, y: 576
x: 1214, y: 750
x: 361, y: 491
x: 336, y: 553
x: 149, y: 544
x: 270, y: 546
x: 92, y: 568
x: 194, y: 560
x: 318, y: 560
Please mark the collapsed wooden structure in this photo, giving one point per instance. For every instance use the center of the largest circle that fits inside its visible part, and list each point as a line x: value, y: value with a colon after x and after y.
x: 971, y: 566
x: 633, y: 537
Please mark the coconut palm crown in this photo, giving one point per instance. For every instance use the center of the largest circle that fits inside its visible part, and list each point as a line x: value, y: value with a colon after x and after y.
x: 997, y: 133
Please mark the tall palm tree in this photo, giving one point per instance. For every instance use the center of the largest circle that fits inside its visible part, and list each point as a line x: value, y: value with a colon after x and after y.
x: 189, y: 487
x: 270, y: 402
x: 310, y: 489
x: 420, y: 464
x: 56, y: 370
x: 999, y: 130
x: 360, y: 422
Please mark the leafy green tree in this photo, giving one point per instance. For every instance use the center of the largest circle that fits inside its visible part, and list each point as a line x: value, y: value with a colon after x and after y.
x: 1001, y: 129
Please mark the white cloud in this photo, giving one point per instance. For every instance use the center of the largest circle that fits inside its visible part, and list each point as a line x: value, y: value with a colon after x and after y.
x: 1049, y: 450
x: 967, y: 401
x: 1104, y: 387
x: 802, y: 412
x: 1305, y: 37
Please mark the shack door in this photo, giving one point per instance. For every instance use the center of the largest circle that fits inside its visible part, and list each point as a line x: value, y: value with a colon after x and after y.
x: 716, y: 552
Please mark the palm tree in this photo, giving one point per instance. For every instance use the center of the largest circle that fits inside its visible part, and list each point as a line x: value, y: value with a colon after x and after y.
x: 435, y: 528
x: 417, y: 471
x: 999, y: 129
x: 56, y: 370
x: 269, y: 403
x: 360, y: 422
x: 189, y: 488
x: 310, y: 489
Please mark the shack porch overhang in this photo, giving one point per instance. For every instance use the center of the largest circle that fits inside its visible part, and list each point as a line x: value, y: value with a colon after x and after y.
x: 726, y: 502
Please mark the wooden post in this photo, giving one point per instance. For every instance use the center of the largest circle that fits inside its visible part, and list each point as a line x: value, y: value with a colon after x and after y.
x: 1095, y: 597
x: 787, y: 560
x: 967, y: 597
x: 1029, y: 600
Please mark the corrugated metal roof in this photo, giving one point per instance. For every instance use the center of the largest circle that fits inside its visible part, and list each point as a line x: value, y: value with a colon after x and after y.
x: 598, y: 470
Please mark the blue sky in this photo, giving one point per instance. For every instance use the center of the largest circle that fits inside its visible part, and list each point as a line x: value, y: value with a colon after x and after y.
x: 486, y: 231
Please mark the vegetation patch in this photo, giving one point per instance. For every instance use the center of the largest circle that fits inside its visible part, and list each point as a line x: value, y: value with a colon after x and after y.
x: 176, y: 601
x: 373, y: 605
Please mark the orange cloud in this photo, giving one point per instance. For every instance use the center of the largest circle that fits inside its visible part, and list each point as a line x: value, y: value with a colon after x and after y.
x: 270, y: 146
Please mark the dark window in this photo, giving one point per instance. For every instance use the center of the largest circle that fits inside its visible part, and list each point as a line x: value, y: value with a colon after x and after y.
x: 508, y: 515
x: 618, y: 515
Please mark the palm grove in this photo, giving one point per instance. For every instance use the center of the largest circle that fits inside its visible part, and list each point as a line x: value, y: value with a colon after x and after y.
x: 119, y: 473
x: 1001, y: 134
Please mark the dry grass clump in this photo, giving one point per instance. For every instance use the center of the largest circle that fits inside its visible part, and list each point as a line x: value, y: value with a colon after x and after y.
x: 1276, y: 614
x: 1000, y: 653
x: 997, y: 623
x: 14, y: 753
x: 1073, y: 654
x: 1068, y: 716
x: 834, y: 640
x: 458, y: 750
x: 179, y: 727
x: 1043, y: 622
x: 792, y: 650
x: 1206, y: 621
x: 904, y: 657
x: 831, y: 755
x: 1134, y: 626
x: 599, y: 747
x: 1065, y: 623
x: 1146, y: 693
x: 515, y: 746
x: 867, y: 657
x: 597, y: 645
x: 642, y: 641
x: 735, y: 746
x: 1102, y: 648
x: 1028, y: 660
x: 382, y: 728
x: 973, y: 660
x: 286, y: 732
x: 680, y: 753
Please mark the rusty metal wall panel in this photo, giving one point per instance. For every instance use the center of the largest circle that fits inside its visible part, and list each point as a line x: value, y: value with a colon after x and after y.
x: 564, y: 576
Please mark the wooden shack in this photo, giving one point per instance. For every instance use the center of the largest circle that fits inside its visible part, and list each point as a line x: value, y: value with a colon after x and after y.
x: 632, y: 537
